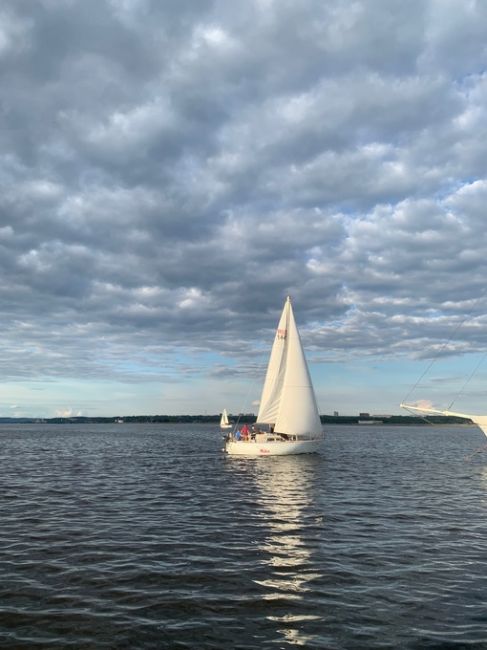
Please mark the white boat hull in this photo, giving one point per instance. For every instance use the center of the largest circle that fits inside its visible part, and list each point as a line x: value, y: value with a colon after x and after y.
x: 271, y: 448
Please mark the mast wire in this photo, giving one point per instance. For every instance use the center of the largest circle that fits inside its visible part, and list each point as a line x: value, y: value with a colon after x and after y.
x: 418, y: 415
x: 476, y: 451
x: 467, y: 381
x: 245, y: 401
x: 435, y: 358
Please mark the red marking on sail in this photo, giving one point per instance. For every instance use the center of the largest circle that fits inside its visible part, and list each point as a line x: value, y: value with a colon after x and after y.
x: 281, y: 334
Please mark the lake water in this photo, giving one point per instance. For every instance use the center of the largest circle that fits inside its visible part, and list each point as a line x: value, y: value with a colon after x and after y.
x: 147, y: 536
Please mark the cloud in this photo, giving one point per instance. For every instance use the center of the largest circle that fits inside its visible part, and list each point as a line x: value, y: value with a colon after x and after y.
x: 67, y: 413
x: 169, y: 172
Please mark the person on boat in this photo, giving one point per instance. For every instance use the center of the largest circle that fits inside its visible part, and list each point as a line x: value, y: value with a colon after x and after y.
x: 245, y: 432
x: 237, y: 434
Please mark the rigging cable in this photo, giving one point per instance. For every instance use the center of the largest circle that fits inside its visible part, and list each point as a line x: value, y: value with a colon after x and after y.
x: 245, y: 401
x: 476, y: 451
x: 418, y: 415
x: 467, y: 381
x: 435, y: 358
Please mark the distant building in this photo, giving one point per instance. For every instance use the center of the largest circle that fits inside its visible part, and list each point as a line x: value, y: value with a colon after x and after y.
x: 335, y: 414
x: 364, y: 418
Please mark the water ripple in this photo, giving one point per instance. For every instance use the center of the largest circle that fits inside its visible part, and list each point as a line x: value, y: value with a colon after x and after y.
x: 146, y: 536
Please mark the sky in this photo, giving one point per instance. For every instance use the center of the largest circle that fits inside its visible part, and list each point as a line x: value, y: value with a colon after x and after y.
x: 171, y: 171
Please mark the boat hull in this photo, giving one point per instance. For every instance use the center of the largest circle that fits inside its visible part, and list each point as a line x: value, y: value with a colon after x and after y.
x: 274, y: 448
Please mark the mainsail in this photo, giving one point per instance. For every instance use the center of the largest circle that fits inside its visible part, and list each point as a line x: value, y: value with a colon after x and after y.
x: 288, y: 400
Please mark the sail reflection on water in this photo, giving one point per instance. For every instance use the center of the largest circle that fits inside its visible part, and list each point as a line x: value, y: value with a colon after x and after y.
x: 284, y: 495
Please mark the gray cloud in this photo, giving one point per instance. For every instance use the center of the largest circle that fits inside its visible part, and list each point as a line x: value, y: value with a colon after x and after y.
x: 169, y: 171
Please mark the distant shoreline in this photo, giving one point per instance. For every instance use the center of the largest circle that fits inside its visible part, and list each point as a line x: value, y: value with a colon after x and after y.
x: 246, y: 417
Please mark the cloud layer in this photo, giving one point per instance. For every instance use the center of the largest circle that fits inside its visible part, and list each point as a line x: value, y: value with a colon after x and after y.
x: 170, y: 171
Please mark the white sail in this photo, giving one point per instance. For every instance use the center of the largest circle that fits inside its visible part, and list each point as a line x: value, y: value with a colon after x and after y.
x: 276, y: 368
x: 479, y: 420
x: 288, y: 400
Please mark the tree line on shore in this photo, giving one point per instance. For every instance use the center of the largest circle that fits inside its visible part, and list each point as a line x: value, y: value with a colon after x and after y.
x: 247, y: 418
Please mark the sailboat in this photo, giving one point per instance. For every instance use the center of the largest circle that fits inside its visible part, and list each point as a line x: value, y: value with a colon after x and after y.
x: 479, y: 420
x: 224, y: 422
x: 288, y: 421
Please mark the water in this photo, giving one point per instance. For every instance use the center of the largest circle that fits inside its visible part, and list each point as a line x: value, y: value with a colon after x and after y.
x: 147, y: 536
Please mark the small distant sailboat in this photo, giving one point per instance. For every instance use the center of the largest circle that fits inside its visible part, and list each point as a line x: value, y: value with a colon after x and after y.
x: 224, y: 421
x: 288, y: 421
